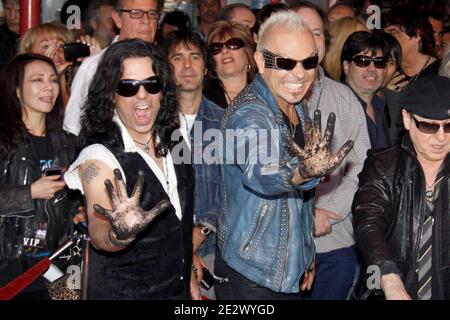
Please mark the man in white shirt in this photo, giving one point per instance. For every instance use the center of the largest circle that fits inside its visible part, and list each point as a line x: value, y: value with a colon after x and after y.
x: 135, y: 19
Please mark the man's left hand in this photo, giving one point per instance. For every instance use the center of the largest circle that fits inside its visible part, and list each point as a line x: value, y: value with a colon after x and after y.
x: 308, y: 278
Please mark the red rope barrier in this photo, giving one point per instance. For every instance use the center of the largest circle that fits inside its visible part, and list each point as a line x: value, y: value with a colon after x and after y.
x: 15, y: 286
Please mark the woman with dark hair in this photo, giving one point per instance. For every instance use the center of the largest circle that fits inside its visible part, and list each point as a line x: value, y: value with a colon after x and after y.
x: 232, y: 48
x: 35, y: 206
x: 130, y: 114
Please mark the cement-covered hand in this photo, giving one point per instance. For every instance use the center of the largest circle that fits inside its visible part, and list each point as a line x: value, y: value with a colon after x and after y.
x: 315, y: 159
x: 127, y: 218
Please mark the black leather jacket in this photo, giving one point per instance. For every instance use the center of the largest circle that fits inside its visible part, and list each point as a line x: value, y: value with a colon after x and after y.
x: 388, y: 214
x: 19, y: 212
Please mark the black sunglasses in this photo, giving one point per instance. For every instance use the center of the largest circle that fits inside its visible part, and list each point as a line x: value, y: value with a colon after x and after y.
x: 231, y: 44
x: 274, y: 61
x: 129, y: 87
x: 429, y: 127
x: 363, y: 61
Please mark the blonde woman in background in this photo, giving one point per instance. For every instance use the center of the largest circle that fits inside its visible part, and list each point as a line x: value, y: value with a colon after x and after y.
x: 339, y: 31
x: 48, y: 39
x: 233, y: 66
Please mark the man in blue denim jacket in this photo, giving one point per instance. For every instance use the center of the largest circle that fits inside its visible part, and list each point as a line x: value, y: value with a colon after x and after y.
x: 199, y: 117
x: 273, y: 156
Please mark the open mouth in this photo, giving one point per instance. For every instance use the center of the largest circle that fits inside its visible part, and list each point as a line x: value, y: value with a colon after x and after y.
x: 142, y: 113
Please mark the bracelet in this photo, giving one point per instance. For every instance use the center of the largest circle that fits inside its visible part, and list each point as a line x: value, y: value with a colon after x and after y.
x: 116, y: 242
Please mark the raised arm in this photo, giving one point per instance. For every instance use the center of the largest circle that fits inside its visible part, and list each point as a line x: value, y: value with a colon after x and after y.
x: 114, y: 218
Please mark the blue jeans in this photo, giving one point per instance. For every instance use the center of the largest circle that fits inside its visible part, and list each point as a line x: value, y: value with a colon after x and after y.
x: 336, y: 272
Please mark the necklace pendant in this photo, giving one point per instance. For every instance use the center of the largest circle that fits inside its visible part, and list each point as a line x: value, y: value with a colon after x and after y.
x: 429, y: 194
x: 146, y: 148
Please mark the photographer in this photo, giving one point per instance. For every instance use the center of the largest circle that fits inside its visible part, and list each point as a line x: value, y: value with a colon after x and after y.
x: 49, y: 39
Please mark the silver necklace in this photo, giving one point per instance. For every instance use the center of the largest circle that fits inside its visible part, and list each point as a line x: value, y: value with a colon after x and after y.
x: 429, y: 193
x: 145, y: 145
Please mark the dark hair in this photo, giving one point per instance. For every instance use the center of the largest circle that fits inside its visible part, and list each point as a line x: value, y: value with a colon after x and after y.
x: 97, y: 124
x: 227, y: 11
x: 307, y: 4
x: 12, y: 128
x: 187, y: 38
x: 362, y: 41
x: 177, y: 18
x: 414, y: 22
x: 395, y: 50
x: 266, y: 11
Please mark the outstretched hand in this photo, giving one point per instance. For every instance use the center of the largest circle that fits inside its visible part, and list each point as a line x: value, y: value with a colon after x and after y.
x: 127, y: 218
x: 315, y: 159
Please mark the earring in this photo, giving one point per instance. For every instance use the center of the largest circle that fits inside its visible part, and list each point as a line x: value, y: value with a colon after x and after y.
x: 213, y: 74
x: 248, y: 66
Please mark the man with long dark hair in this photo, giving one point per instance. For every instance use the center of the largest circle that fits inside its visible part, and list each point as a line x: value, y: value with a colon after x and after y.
x: 129, y: 117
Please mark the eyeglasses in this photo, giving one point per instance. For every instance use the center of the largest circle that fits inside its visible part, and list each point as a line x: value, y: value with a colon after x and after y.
x: 138, y: 13
x: 274, y: 61
x: 231, y: 44
x: 129, y: 87
x: 364, y: 61
x: 429, y: 127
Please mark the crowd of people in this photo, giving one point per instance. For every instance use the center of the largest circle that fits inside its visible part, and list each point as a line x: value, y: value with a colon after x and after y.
x: 276, y: 153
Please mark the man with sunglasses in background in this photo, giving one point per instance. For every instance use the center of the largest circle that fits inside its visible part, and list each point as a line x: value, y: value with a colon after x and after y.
x: 265, y: 241
x: 364, y: 57
x: 135, y: 19
x: 401, y: 210
x: 335, y: 243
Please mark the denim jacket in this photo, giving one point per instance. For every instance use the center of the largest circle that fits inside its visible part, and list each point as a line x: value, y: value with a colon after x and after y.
x: 265, y: 229
x: 207, y: 176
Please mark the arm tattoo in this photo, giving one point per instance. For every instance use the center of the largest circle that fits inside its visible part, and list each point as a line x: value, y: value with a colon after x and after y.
x: 91, y: 172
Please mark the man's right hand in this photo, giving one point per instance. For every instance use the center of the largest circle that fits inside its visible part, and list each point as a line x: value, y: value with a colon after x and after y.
x: 127, y: 217
x: 323, y: 225
x: 393, y: 287
x: 315, y: 160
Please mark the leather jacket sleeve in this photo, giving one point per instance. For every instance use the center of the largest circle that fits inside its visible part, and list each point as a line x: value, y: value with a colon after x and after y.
x: 16, y: 200
x: 373, y: 214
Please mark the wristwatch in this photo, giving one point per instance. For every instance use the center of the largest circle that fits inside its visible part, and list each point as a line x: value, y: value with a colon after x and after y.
x: 205, y: 231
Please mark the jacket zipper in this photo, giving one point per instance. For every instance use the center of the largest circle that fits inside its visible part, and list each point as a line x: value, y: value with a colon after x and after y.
x: 258, y: 226
x: 286, y: 251
x: 410, y: 276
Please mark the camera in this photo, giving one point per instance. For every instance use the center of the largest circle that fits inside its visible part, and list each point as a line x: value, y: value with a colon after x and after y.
x: 73, y: 51
x: 208, y: 279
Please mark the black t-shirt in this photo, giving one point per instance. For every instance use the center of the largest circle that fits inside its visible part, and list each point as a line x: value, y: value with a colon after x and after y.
x: 43, y: 151
x: 299, y: 138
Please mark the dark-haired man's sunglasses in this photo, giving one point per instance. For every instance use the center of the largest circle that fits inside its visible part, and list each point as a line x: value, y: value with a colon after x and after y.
x: 231, y: 44
x: 129, y: 87
x: 429, y: 127
x: 363, y: 61
x: 274, y: 61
